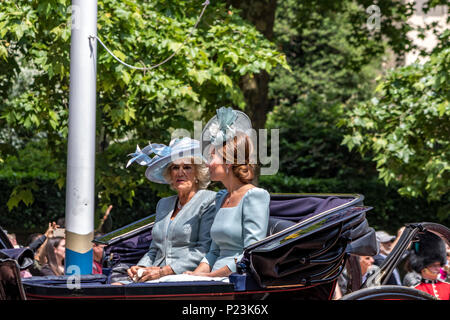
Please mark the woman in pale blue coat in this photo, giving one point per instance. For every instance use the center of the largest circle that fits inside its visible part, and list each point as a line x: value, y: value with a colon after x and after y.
x: 242, y: 209
x: 181, y: 233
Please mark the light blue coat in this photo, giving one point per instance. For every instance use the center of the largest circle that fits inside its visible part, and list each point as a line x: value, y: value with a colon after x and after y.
x: 184, y: 241
x: 237, y: 227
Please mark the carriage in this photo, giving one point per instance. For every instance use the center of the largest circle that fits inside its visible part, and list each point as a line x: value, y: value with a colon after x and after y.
x: 311, y: 238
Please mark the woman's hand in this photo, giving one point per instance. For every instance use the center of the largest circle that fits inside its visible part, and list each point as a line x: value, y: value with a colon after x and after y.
x: 400, y: 231
x: 222, y: 272
x: 203, y: 269
x: 148, y: 273
x: 132, y: 271
x: 153, y: 273
x: 51, y: 226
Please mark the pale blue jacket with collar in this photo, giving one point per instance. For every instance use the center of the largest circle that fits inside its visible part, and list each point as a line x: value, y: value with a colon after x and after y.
x: 235, y: 228
x: 184, y: 241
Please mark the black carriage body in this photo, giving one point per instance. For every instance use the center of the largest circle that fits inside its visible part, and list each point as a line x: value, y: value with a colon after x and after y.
x: 308, y: 240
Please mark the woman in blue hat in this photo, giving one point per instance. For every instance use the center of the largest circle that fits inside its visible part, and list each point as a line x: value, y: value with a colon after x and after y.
x: 181, y: 233
x: 242, y: 208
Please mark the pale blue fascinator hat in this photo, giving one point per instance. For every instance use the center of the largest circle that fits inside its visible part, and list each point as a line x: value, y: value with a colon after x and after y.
x: 164, y: 155
x: 225, y: 125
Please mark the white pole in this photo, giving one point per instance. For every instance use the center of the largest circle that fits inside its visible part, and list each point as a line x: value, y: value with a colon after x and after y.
x: 80, y: 186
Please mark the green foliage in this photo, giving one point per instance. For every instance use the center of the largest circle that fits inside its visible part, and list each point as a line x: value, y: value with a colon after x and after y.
x: 325, y: 80
x: 406, y: 127
x: 310, y: 142
x: 390, y: 209
x: 33, y: 193
x: 133, y: 107
x: 223, y: 49
x: 334, y: 64
x: 49, y: 205
x: 332, y: 60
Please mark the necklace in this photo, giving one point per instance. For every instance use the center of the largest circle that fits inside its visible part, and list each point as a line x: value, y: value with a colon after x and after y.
x: 188, y: 198
x: 230, y: 194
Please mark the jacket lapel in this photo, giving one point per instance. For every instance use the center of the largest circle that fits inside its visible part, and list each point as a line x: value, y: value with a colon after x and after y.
x: 166, y: 215
x: 183, y: 210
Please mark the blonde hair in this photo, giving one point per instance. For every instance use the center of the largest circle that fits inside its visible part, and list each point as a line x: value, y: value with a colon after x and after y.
x: 201, y: 173
x: 238, y: 152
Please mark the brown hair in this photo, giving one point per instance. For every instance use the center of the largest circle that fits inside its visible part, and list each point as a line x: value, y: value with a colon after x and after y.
x: 49, y: 252
x: 239, y: 152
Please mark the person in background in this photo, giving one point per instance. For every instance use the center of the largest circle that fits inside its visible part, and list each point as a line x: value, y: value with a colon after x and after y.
x: 38, y: 246
x: 343, y: 285
x: 387, y: 243
x: 54, y: 253
x: 105, y: 223
x: 35, y: 243
x: 13, y: 240
x: 367, y: 267
x: 411, y: 277
x: 445, y: 270
x: 97, y: 255
x: 37, y: 240
x: 427, y: 257
x: 97, y: 248
x: 61, y: 222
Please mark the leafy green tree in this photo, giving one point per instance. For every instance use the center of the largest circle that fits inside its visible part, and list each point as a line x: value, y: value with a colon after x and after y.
x: 390, y: 19
x: 133, y: 107
x: 406, y: 127
x: 332, y: 73
x: 326, y: 78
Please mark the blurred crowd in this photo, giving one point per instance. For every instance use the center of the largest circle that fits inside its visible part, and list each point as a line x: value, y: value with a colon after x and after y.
x: 426, y: 262
x: 424, y: 266
x: 49, y: 250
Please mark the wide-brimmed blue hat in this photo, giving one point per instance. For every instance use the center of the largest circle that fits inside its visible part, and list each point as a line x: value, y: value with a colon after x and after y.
x: 164, y: 155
